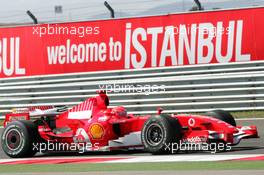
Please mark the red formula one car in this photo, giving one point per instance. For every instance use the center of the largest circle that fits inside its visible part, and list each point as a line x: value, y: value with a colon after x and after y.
x: 93, y: 126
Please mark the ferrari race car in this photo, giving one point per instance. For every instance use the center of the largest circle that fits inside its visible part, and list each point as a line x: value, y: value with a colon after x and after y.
x: 93, y: 126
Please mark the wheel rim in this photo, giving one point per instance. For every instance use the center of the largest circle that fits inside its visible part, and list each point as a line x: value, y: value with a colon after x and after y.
x: 13, y: 139
x: 154, y: 135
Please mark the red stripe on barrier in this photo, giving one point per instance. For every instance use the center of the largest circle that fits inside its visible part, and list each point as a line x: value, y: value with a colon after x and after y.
x: 61, y: 161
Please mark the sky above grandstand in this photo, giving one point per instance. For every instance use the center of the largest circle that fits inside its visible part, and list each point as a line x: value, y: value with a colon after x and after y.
x: 14, y: 11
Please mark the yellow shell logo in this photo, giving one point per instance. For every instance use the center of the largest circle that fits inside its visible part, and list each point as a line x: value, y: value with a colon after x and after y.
x: 97, y: 131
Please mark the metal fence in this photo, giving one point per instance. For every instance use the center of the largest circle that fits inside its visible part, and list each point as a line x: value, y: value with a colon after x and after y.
x: 196, y: 88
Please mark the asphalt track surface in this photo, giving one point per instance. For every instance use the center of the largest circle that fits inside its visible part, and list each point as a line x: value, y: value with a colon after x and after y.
x: 247, y: 146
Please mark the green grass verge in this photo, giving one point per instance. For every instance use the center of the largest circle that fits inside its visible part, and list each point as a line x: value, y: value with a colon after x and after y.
x: 224, y: 165
x: 248, y: 114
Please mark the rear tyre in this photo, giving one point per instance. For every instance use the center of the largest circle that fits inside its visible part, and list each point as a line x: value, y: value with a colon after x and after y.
x: 222, y: 115
x: 18, y: 138
x: 159, y: 133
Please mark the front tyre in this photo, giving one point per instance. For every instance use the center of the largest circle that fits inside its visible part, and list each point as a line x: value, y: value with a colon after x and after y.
x: 159, y: 132
x: 18, y: 138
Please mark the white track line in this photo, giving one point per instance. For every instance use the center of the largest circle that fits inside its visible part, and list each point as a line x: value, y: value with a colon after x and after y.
x: 150, y: 158
x: 59, y: 158
x: 183, y: 158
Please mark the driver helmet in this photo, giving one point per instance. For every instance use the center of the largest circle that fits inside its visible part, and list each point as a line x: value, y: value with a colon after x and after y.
x: 120, y: 111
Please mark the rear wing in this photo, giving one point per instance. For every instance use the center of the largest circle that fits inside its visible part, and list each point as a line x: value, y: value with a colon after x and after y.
x: 31, y: 112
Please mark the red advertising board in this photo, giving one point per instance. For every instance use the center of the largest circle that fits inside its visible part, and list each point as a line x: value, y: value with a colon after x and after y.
x: 133, y: 43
